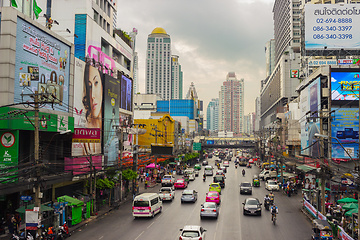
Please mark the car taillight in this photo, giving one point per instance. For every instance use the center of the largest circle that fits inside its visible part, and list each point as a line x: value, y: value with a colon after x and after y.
x: 214, y: 210
x: 200, y: 238
x: 180, y: 238
x: 202, y: 210
x: 133, y: 208
x: 170, y: 195
x: 149, y: 208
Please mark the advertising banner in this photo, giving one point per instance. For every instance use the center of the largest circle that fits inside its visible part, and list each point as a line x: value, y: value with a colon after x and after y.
x: 42, y: 63
x: 31, y: 219
x: 9, y: 151
x: 81, y: 165
x: 343, y: 83
x: 310, y: 101
x: 345, y: 127
x: 342, y: 235
x: 312, y: 210
x: 88, y: 104
x: 87, y: 135
x: 111, y: 119
x: 310, y: 181
x: 126, y: 93
x: 333, y: 26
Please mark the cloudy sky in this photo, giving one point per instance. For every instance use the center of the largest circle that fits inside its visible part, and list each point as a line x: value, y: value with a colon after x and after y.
x: 211, y: 38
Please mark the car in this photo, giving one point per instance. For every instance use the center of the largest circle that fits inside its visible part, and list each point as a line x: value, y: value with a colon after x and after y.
x: 215, y: 187
x: 180, y: 183
x: 267, y: 174
x: 190, y: 172
x: 204, y: 163
x: 251, y: 160
x: 252, y: 206
x: 208, y: 170
x: 192, y: 232
x: 219, y: 179
x: 197, y: 172
x: 167, y: 193
x: 167, y: 180
x: 220, y: 172
x: 197, y: 167
x: 271, y: 185
x: 213, y: 196
x: 209, y: 209
x: 226, y: 164
x: 242, y: 163
x: 189, y: 196
x: 245, y: 187
x: 210, y: 155
x: 224, y: 169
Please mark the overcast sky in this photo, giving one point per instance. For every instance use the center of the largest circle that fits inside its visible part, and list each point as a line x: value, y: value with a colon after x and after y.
x: 211, y: 38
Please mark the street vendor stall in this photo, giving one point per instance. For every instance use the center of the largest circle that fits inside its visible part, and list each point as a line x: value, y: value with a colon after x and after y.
x: 76, y: 208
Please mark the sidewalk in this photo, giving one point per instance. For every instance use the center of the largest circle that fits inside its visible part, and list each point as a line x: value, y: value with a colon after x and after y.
x: 103, y: 211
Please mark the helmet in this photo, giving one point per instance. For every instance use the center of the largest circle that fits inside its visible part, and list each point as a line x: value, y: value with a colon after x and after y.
x: 271, y: 192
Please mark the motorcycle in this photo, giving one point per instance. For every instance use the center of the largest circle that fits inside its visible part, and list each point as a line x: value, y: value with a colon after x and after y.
x: 243, y: 173
x: 22, y: 236
x: 63, y: 232
x: 204, y: 178
x: 236, y: 166
x: 267, y: 204
x: 274, y: 218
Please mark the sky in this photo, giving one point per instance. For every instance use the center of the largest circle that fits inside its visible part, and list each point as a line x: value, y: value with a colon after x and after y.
x: 211, y: 38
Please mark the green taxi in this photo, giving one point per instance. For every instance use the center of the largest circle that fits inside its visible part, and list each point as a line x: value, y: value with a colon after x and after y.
x: 256, y: 181
x: 197, y: 166
x: 215, y: 187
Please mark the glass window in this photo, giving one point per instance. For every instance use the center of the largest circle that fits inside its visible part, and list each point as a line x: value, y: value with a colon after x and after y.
x: 141, y: 203
x: 96, y: 16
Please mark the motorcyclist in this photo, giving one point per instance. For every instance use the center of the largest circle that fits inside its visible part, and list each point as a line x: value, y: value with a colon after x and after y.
x: 271, y: 195
x: 274, y: 210
x: 266, y: 198
x: 204, y: 176
x: 243, y: 172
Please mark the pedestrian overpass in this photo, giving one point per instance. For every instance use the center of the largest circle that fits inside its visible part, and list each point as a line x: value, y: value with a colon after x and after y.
x: 226, y: 142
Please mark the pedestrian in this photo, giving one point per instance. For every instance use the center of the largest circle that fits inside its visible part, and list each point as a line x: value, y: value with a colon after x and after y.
x: 146, y: 183
x: 12, y: 225
x: 18, y: 220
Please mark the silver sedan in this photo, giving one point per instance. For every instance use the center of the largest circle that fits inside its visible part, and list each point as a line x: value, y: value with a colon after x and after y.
x: 209, y: 209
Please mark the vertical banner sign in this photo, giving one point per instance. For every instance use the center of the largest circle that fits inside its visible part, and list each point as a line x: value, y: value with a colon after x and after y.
x: 42, y: 63
x: 9, y: 150
x: 111, y: 119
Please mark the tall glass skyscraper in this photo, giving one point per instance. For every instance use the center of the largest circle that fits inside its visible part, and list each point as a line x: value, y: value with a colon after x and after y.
x: 158, y: 64
x: 212, y: 115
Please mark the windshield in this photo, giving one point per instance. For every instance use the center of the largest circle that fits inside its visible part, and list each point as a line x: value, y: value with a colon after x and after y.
x: 187, y: 192
x: 141, y: 203
x: 208, y: 168
x: 209, y: 205
x: 218, y: 178
x: 212, y: 194
x: 165, y: 190
x: 190, y: 234
x: 246, y: 185
x: 179, y: 181
x: 272, y: 183
x: 214, y: 185
x: 252, y: 202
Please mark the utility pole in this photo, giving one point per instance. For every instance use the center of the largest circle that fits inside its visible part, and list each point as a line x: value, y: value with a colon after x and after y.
x: 156, y: 135
x: 91, y: 184
x: 36, y: 155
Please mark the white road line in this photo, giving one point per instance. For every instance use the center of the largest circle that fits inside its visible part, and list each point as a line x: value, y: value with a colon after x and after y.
x: 139, y: 235
x: 150, y: 225
x: 217, y: 224
x: 101, y: 237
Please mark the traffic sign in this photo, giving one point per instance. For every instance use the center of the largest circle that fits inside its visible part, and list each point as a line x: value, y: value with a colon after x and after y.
x: 26, y: 198
x: 196, y: 146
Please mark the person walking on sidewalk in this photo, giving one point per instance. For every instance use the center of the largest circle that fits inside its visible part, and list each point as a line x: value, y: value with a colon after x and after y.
x: 146, y: 183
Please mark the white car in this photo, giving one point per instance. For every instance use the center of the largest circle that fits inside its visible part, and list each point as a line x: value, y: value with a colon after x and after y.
x: 192, y: 233
x: 271, y: 185
x: 226, y: 164
x: 167, y: 193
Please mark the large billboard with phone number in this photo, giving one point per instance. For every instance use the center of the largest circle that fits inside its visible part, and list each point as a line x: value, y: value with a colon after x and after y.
x: 42, y: 64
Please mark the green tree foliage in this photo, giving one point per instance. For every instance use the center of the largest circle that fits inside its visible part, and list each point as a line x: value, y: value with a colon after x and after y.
x: 104, y: 184
x: 129, y: 175
x: 190, y: 156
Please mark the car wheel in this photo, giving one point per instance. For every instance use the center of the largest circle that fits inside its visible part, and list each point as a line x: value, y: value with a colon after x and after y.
x: 244, y: 212
x: 201, y: 217
x: 260, y: 213
x: 216, y: 216
x: 153, y: 215
x: 160, y: 210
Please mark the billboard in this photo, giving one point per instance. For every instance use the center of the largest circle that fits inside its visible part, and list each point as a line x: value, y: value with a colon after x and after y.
x: 88, y: 102
x: 345, y: 127
x: 111, y: 119
x: 310, y: 100
x: 126, y: 93
x: 343, y: 82
x: 42, y: 63
x: 332, y: 26
x: 81, y: 165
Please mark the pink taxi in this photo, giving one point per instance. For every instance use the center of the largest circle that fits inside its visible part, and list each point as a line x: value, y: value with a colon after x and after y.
x: 213, y: 197
x: 180, y: 183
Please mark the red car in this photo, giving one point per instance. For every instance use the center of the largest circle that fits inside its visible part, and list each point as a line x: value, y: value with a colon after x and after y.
x: 213, y: 197
x: 251, y: 160
x: 180, y: 183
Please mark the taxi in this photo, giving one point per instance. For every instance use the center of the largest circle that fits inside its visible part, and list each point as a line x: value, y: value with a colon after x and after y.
x: 197, y: 166
x: 180, y: 183
x: 215, y: 187
x: 213, y: 197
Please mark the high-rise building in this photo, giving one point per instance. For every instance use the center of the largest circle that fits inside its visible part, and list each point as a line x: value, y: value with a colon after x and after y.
x: 158, y: 64
x: 176, y: 78
x: 270, y: 57
x: 212, y: 115
x: 257, y: 114
x: 287, y: 29
x: 231, y: 104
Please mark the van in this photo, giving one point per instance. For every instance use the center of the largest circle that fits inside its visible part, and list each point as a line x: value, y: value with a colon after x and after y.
x: 146, y: 205
x: 267, y: 174
x: 191, y: 173
x: 208, y: 170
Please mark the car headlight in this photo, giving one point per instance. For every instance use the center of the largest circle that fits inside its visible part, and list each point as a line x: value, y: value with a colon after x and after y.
x: 258, y: 209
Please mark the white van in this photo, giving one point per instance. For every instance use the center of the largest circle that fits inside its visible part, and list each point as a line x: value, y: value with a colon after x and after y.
x: 146, y: 205
x: 191, y: 173
x: 208, y: 170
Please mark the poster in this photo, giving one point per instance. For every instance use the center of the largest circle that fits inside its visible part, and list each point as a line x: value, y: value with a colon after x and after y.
x: 310, y: 181
x: 42, y: 63
x: 126, y: 93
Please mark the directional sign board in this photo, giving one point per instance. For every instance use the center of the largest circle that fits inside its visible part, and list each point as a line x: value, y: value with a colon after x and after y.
x: 26, y: 198
x: 196, y: 146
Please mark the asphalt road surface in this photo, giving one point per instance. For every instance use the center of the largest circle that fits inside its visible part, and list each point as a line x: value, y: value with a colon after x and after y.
x: 231, y: 224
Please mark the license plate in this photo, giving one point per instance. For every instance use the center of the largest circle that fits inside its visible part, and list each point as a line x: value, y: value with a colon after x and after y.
x: 140, y: 210
x: 252, y: 211
x: 212, y: 198
x: 208, y: 211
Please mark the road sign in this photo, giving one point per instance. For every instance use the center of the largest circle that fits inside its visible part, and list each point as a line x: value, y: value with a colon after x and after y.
x: 196, y: 146
x: 26, y: 198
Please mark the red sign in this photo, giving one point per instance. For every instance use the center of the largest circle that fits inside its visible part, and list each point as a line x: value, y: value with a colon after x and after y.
x: 87, y: 135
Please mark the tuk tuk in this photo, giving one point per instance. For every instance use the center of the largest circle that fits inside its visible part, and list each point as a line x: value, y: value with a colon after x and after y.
x: 256, y: 181
x: 321, y: 230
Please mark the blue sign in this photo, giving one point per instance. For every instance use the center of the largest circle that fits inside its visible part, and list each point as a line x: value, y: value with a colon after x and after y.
x: 210, y: 142
x: 26, y: 198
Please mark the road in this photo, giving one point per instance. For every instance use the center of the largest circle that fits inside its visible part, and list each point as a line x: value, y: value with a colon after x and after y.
x: 231, y: 224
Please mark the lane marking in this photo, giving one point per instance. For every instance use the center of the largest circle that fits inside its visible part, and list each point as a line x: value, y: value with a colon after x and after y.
x: 139, y: 235
x: 150, y: 225
x: 101, y: 237
x: 217, y: 224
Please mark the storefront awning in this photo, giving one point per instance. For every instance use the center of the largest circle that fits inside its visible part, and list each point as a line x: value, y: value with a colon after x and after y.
x: 43, y: 208
x: 305, y: 168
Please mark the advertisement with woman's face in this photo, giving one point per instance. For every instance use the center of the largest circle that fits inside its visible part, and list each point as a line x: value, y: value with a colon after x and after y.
x: 88, y: 104
x: 310, y: 181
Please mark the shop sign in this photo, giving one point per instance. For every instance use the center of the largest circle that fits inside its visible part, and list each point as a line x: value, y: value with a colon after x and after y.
x: 9, y: 149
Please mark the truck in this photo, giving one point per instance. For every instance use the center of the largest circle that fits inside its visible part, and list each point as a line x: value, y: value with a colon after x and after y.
x: 167, y: 180
x: 167, y: 193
